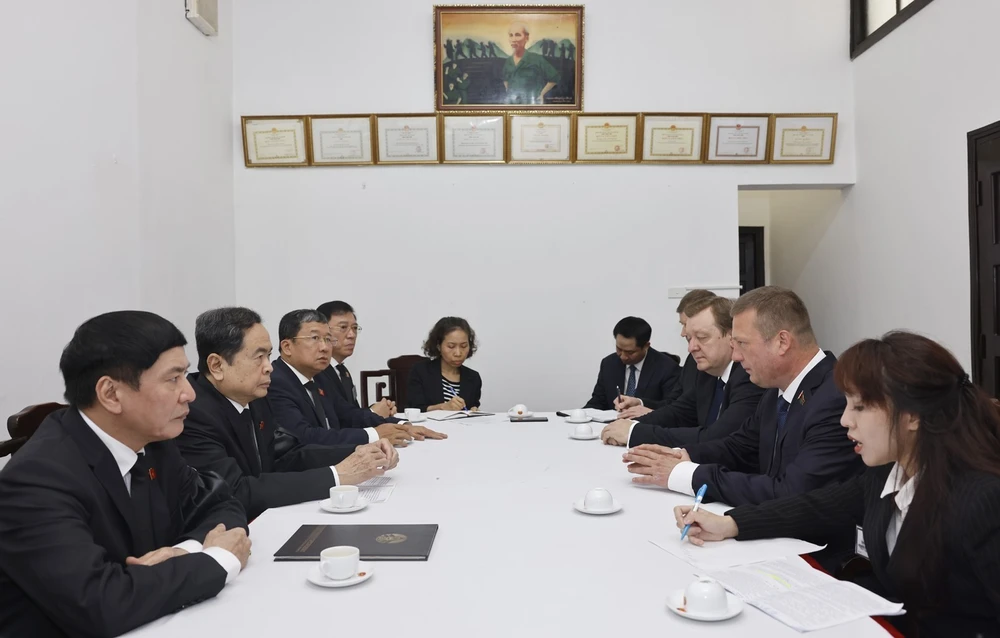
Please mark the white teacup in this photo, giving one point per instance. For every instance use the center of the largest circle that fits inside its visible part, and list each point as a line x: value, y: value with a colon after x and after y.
x: 343, y: 496
x: 517, y: 410
x: 412, y: 414
x: 577, y: 415
x: 583, y: 429
x: 598, y: 500
x: 705, y: 596
x: 339, y: 563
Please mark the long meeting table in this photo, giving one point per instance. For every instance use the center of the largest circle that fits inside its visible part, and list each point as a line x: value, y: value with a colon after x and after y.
x: 512, y: 556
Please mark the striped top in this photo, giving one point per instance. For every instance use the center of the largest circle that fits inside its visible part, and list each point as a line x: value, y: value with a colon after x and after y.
x: 450, y: 389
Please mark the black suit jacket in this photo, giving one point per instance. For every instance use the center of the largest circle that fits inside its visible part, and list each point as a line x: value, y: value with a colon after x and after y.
x: 294, y: 410
x: 755, y: 464
x: 685, y: 382
x: 683, y: 422
x: 217, y: 439
x: 335, y: 383
x: 970, y: 601
x: 424, y: 385
x: 66, y: 527
x: 659, y: 375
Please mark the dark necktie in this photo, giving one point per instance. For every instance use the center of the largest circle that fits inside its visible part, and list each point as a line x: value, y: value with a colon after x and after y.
x: 320, y: 412
x: 143, y: 537
x: 251, y: 432
x: 630, y: 386
x: 716, y: 407
x: 782, y: 413
x: 348, y: 383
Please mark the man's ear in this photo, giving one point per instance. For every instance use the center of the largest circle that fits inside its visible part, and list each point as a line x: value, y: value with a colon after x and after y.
x: 107, y: 394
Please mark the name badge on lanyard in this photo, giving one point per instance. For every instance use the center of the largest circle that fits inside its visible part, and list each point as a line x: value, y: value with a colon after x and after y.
x: 859, y: 543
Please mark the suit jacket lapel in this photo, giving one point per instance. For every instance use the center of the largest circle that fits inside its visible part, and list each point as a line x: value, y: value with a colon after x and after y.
x: 244, y: 434
x: 705, y: 393
x: 338, y: 384
x: 648, y: 372
x: 230, y: 418
x: 303, y: 393
x: 769, y: 430
x: 160, y: 510
x: 796, y: 410
x: 876, y: 523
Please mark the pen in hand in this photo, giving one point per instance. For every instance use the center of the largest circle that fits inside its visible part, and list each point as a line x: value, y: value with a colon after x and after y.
x: 697, y: 504
x: 618, y: 389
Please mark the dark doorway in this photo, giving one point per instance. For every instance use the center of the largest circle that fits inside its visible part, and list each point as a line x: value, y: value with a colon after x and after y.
x: 984, y: 249
x: 751, y: 258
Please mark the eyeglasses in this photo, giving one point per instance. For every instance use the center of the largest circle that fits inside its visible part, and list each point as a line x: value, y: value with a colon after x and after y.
x: 343, y: 328
x: 316, y: 339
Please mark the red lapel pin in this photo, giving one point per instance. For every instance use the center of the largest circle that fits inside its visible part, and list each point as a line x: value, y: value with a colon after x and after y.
x: 321, y: 393
x: 802, y: 397
x: 261, y: 426
x: 152, y: 474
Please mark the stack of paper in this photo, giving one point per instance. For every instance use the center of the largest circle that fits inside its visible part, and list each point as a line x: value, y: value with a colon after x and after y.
x: 601, y: 416
x: 450, y: 415
x: 732, y: 553
x: 377, y: 490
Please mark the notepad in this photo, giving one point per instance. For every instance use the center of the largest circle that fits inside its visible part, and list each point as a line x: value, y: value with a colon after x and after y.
x: 600, y: 416
x: 453, y: 415
x: 732, y: 553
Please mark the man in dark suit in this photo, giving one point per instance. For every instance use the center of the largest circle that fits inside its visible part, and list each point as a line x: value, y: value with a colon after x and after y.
x: 103, y: 526
x: 794, y: 441
x: 231, y: 431
x: 305, y: 404
x: 635, y: 369
x: 720, y: 401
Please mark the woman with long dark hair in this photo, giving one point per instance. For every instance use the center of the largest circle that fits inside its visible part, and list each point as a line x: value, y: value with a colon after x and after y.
x: 929, y: 503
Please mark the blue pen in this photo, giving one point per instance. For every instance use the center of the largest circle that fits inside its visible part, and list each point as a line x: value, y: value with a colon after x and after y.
x: 697, y: 504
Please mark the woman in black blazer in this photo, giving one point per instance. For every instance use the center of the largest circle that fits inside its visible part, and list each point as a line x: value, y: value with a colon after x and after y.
x: 442, y: 382
x: 929, y: 504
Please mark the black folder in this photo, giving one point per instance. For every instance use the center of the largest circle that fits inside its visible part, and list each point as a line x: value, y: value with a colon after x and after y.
x: 375, y: 542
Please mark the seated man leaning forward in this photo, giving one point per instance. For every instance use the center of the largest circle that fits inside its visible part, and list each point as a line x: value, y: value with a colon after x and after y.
x: 635, y: 369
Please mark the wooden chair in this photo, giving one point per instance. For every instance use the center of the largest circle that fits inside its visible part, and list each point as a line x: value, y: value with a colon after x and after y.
x: 400, y: 367
x: 383, y: 389
x: 23, y: 424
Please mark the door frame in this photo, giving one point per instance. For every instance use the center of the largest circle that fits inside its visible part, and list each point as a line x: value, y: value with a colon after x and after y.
x: 975, y: 197
x: 758, y: 239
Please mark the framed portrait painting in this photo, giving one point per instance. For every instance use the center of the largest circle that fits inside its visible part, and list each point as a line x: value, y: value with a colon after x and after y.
x: 526, y: 57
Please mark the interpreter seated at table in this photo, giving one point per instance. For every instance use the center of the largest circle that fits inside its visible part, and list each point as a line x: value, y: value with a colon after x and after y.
x: 443, y: 381
x: 231, y: 430
x: 928, y: 506
x: 720, y: 401
x: 103, y: 526
x: 634, y: 369
x: 793, y: 443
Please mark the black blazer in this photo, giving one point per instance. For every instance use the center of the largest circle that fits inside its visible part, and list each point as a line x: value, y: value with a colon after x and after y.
x: 753, y: 464
x: 335, y: 383
x: 217, y: 439
x: 685, y: 382
x: 659, y: 375
x: 683, y: 422
x: 970, y: 601
x: 66, y: 524
x: 295, y: 411
x: 423, y: 388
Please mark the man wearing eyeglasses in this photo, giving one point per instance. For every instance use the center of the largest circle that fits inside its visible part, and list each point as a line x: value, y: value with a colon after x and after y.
x: 305, y: 404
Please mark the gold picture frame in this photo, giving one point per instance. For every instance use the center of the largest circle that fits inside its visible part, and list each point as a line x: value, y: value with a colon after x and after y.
x: 607, y: 138
x: 475, y: 50
x: 803, y: 138
x: 738, y: 138
x: 275, y: 141
x: 350, y: 144
x: 473, y: 137
x: 674, y: 138
x: 557, y: 145
x: 407, y: 138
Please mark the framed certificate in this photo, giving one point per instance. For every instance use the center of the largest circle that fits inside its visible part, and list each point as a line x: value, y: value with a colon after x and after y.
x: 406, y: 139
x: 607, y: 137
x: 738, y: 138
x: 803, y: 138
x: 678, y: 138
x: 473, y: 138
x: 537, y: 138
x: 274, y: 140
x: 341, y: 140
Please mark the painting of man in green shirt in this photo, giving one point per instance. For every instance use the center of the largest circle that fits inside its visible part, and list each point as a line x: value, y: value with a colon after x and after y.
x: 526, y: 76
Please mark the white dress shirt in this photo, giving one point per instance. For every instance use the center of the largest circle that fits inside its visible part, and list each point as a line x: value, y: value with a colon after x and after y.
x: 125, y: 458
x: 682, y: 477
x: 372, y: 433
x: 903, y: 498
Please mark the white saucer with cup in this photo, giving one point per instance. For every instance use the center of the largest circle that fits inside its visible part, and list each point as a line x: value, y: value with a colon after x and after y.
x: 598, y: 501
x: 519, y: 411
x: 577, y: 416
x: 583, y: 432
x: 340, y: 567
x: 706, y: 600
x: 414, y: 415
x: 344, y: 499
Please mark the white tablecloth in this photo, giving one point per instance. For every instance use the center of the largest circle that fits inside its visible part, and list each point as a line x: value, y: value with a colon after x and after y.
x: 512, y: 557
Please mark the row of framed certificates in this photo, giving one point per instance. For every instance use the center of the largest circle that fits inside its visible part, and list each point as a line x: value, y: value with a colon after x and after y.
x: 539, y: 138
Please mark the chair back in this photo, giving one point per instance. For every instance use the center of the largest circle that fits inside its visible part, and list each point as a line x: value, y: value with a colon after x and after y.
x: 23, y: 424
x: 383, y: 389
x: 401, y: 367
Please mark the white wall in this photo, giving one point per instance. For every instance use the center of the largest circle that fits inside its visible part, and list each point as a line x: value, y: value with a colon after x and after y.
x: 542, y: 260
x: 109, y: 179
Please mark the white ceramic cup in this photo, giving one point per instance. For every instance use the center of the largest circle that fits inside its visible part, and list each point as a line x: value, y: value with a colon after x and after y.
x: 598, y: 500
x: 578, y: 414
x: 343, y: 496
x: 412, y: 414
x: 339, y: 563
x: 705, y: 596
x: 583, y: 429
x: 517, y: 410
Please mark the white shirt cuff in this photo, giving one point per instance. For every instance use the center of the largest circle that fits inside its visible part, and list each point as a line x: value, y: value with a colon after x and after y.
x: 336, y: 477
x: 189, y: 546
x: 682, y: 477
x: 372, y: 435
x: 629, y: 439
x: 226, y: 560
x: 641, y: 403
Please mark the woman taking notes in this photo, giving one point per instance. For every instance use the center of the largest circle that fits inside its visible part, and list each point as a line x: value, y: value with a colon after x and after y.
x: 929, y: 504
x: 442, y: 382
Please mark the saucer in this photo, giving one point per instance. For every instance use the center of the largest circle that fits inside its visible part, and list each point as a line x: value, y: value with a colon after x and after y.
x: 585, y: 419
x: 316, y: 577
x: 361, y: 504
x: 615, y: 507
x: 595, y: 435
x: 675, y: 603
x: 419, y: 419
x: 519, y: 416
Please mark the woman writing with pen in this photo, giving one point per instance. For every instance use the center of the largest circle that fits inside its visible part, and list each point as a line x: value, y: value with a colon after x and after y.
x: 928, y: 507
x: 442, y: 382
